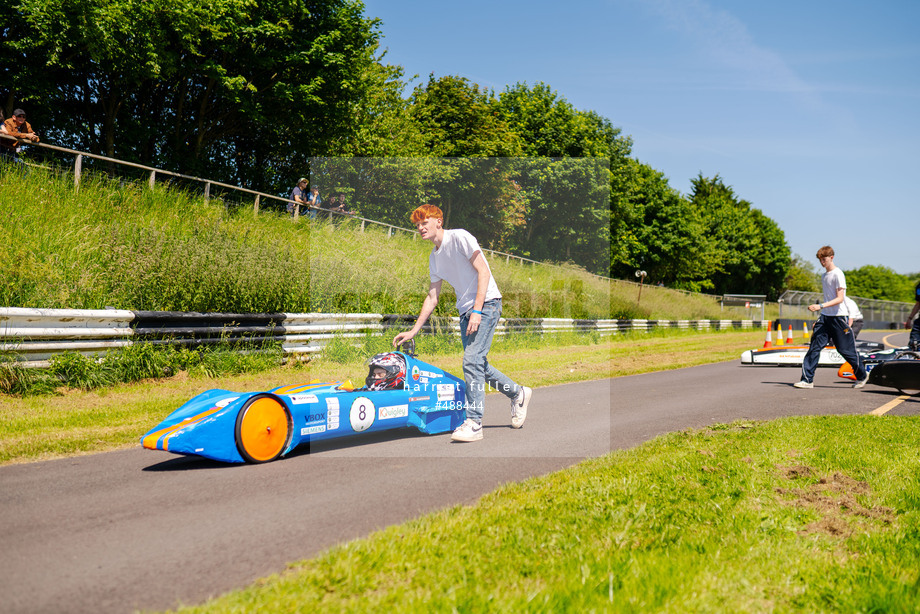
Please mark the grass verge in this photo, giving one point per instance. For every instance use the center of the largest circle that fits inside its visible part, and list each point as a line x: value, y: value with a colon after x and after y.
x: 817, y: 514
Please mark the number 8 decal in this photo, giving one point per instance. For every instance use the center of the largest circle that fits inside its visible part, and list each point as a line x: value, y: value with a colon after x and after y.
x: 362, y: 414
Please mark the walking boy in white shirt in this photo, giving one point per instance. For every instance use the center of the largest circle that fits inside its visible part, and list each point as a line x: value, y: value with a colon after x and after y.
x: 832, y: 324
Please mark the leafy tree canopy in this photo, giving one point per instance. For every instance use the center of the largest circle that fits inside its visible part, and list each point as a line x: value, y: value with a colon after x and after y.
x: 236, y: 90
x: 803, y: 275
x: 459, y: 119
x: 879, y: 282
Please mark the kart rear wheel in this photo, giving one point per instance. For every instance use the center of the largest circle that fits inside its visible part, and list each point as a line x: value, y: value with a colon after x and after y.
x: 263, y: 429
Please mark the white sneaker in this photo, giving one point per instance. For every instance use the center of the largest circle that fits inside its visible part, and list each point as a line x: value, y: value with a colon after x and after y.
x: 470, y: 430
x: 862, y: 382
x: 519, y: 407
x: 804, y: 384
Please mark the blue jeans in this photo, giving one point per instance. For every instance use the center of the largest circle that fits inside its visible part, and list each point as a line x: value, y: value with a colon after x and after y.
x: 476, y: 368
x: 832, y: 328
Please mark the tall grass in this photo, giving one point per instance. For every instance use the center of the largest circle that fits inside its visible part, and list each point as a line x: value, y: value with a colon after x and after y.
x: 132, y: 247
x: 71, y: 370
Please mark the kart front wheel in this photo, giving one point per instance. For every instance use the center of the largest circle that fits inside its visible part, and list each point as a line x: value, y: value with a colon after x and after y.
x: 263, y: 429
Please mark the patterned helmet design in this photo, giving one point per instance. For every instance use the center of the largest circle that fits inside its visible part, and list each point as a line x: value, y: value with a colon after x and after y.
x: 394, y: 372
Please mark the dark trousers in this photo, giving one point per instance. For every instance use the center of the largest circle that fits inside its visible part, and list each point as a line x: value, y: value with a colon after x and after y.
x: 832, y: 328
x: 915, y: 335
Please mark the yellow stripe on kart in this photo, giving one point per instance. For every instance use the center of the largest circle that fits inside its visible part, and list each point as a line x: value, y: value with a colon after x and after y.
x: 150, y: 441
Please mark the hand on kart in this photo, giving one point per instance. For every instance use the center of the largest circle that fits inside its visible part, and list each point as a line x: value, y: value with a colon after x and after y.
x: 401, y: 338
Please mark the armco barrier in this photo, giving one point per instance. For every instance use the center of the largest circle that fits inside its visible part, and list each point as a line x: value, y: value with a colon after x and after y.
x: 33, y: 336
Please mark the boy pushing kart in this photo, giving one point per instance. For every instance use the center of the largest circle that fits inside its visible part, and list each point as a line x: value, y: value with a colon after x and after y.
x: 458, y: 259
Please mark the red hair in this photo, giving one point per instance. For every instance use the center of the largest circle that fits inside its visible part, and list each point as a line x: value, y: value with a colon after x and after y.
x: 426, y: 211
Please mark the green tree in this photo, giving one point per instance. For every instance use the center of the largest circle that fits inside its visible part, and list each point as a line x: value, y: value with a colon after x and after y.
x: 380, y: 119
x: 802, y: 275
x: 566, y: 211
x: 551, y: 127
x: 657, y: 230
x: 879, y: 282
x: 458, y: 119
x: 238, y: 90
x: 749, y: 247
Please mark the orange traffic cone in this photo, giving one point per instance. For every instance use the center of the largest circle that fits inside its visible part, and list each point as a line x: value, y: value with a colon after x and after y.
x: 805, y: 328
x: 769, y: 341
x: 789, y: 340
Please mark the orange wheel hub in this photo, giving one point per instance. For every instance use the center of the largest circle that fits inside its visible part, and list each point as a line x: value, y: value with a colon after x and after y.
x: 263, y: 430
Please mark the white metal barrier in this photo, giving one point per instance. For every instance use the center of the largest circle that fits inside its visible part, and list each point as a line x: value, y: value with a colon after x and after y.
x: 33, y: 336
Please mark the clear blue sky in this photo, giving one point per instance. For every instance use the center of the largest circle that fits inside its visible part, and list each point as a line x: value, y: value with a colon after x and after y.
x: 809, y: 109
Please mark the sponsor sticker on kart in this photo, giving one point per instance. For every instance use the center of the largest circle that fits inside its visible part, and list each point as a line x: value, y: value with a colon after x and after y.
x: 312, y: 430
x: 300, y: 399
x: 445, y: 392
x: 393, y: 411
x: 332, y: 417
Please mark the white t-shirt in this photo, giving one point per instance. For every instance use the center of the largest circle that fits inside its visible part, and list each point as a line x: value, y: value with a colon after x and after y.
x: 852, y: 309
x: 831, y: 281
x: 451, y: 263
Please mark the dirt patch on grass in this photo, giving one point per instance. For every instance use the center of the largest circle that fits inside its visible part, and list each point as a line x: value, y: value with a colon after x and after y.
x: 835, y: 498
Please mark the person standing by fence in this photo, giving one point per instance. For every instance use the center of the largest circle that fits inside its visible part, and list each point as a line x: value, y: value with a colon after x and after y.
x: 298, y: 202
x: 17, y: 127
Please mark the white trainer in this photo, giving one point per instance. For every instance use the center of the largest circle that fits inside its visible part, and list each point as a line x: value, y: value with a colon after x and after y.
x: 804, y: 384
x: 519, y: 407
x: 862, y: 382
x: 470, y: 430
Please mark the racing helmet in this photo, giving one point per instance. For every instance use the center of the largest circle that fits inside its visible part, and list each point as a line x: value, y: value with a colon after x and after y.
x: 395, y: 367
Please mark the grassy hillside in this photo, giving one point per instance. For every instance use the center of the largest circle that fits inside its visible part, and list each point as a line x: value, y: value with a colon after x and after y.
x: 131, y: 247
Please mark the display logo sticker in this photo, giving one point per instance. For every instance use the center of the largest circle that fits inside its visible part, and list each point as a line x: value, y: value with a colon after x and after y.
x: 312, y: 430
x: 393, y: 411
x: 332, y: 417
x: 445, y: 392
x: 300, y: 399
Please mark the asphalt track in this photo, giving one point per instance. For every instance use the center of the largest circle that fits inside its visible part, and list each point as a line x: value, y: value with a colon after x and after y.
x: 139, y: 529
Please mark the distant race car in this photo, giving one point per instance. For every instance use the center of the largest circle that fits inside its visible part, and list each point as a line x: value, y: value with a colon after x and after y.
x: 256, y: 427
x: 793, y: 355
